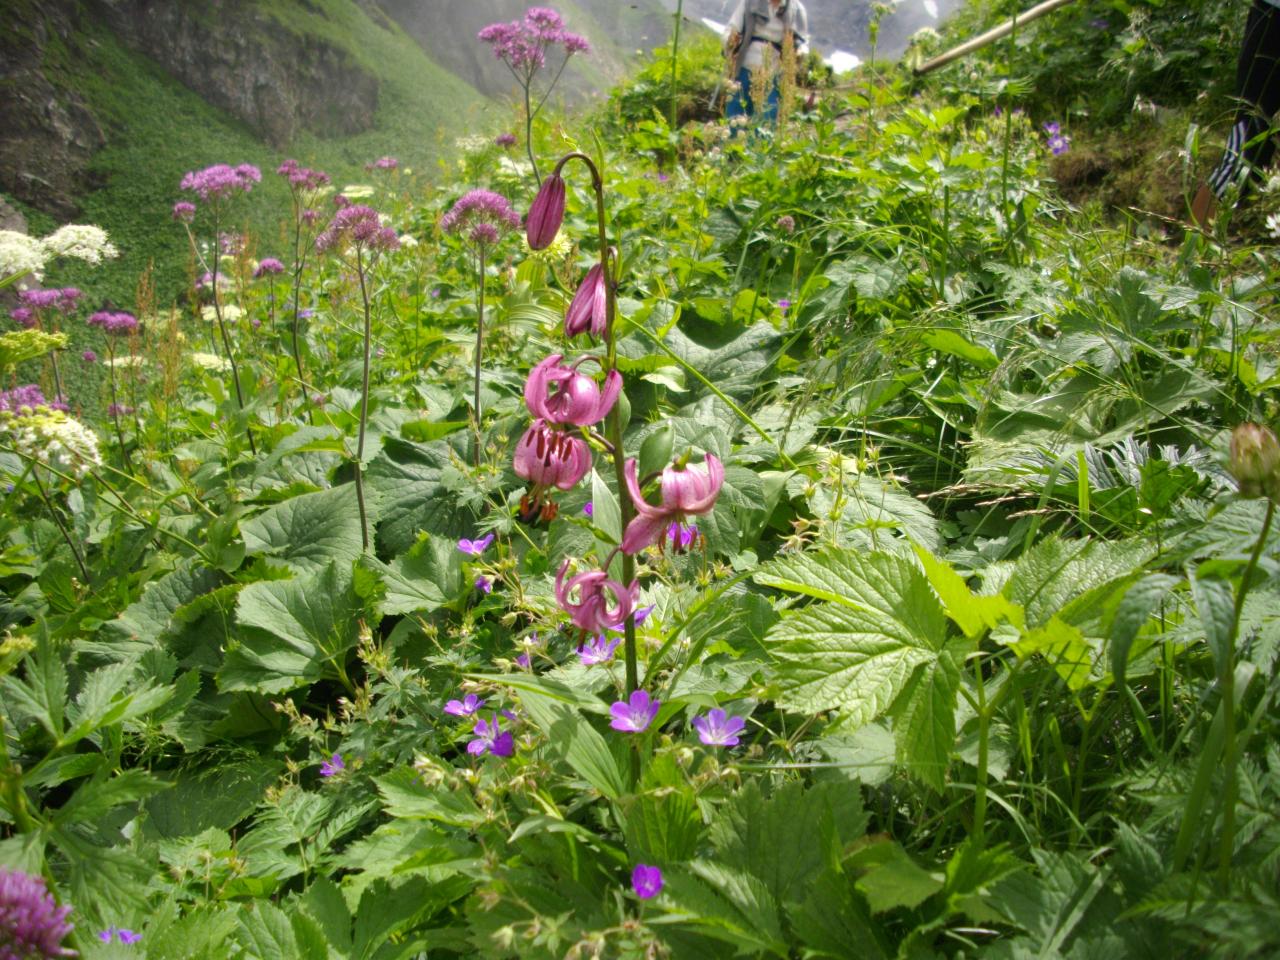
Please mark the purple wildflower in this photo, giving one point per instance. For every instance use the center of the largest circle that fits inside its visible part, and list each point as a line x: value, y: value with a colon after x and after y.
x: 357, y: 225
x: 32, y: 924
x: 646, y: 881
x: 484, y: 584
x: 118, y: 410
x: 319, y: 399
x: 23, y: 401
x: 435, y: 293
x: 41, y: 299
x: 23, y: 316
x: 114, y: 322
x: 485, y: 216
x: 635, y: 714
x: 1052, y: 128
x: 491, y: 739
x: 718, y: 729
x: 268, y: 266
x: 787, y: 223
x: 598, y: 650
x: 643, y: 613
x: 589, y: 508
x: 221, y: 181
x: 89, y: 357
x: 681, y: 536
x: 524, y: 660
x: 475, y: 547
x: 332, y: 765
x: 302, y: 178
x: 184, y: 211
x: 505, y: 140
x: 464, y: 707
x: 383, y: 163
x: 1058, y: 145
x: 523, y: 44
x: 784, y: 305
x: 124, y: 935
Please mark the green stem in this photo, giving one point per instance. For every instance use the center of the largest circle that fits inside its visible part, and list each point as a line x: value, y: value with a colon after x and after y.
x: 222, y: 331
x: 62, y: 528
x: 528, y: 132
x: 675, y: 53
x: 479, y: 342
x: 115, y: 404
x: 1227, y: 681
x: 364, y: 402
x: 984, y: 737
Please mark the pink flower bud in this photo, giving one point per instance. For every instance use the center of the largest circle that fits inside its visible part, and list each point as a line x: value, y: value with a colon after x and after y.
x: 587, y: 311
x: 1255, y: 460
x: 546, y: 214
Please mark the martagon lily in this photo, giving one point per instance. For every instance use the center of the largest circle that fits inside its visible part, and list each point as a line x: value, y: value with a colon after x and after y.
x: 592, y: 611
x: 686, y: 491
x: 560, y: 394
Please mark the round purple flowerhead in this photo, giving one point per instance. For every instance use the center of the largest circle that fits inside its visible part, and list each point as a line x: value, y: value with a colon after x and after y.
x: 115, y: 323
x: 482, y: 216
x: 184, y: 211
x: 359, y: 226
x: 221, y: 181
x: 505, y: 140
x: 32, y: 925
x: 268, y: 266
x: 646, y: 881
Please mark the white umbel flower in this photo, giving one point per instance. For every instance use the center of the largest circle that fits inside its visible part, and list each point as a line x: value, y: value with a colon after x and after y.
x: 20, y: 253
x: 55, y: 439
x: 210, y: 361
x: 82, y: 241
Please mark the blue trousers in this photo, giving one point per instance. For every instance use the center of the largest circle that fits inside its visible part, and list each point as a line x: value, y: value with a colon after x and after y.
x: 740, y: 103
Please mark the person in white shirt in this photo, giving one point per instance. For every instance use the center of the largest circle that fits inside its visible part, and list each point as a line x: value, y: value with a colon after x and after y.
x: 758, y: 26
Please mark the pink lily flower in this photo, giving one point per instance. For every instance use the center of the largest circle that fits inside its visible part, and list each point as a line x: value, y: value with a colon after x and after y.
x: 592, y: 611
x: 575, y: 398
x: 685, y: 492
x: 551, y: 458
x: 587, y: 311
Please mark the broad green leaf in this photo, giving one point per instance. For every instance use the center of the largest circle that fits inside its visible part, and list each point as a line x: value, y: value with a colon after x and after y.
x: 661, y: 826
x: 404, y: 795
x: 951, y: 342
x: 1055, y: 573
x: 723, y: 903
x: 95, y: 797
x: 576, y: 741
x: 266, y: 933
x: 220, y: 797
x: 1215, y: 604
x: 308, y: 533
x: 1064, y: 646
x: 148, y: 620
x: 925, y: 727
x: 606, y: 515
x: 407, y: 481
x: 315, y: 616
x: 972, y: 613
x: 42, y: 693
x: 889, y: 878
x: 545, y: 687
x: 834, y: 921
x: 1132, y: 615
x: 420, y: 581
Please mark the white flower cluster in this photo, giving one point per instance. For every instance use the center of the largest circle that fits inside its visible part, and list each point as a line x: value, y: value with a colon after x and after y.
x: 473, y: 144
x: 357, y: 191
x: 210, y: 361
x: 55, y: 439
x: 230, y: 313
x: 1273, y: 224
x: 20, y: 253
x: 82, y: 241
x: 555, y: 252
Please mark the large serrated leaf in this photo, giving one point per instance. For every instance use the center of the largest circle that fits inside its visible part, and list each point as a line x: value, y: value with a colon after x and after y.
x: 407, y: 481
x: 308, y: 532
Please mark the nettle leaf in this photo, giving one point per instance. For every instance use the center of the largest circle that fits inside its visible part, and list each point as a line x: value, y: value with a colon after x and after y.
x: 405, y: 796
x: 889, y: 878
x: 925, y: 727
x: 316, y: 617
x: 857, y: 652
x: 308, y: 533
x: 1056, y: 574
x: 973, y: 614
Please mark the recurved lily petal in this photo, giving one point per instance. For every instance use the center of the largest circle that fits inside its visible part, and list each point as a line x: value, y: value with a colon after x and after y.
x: 551, y: 458
x: 574, y: 397
x: 686, y: 491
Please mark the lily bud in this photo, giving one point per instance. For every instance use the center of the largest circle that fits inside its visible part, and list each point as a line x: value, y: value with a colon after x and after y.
x: 1255, y: 460
x: 546, y: 214
x: 587, y: 311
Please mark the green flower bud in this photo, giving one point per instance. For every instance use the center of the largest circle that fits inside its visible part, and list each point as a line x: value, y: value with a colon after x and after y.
x: 1255, y: 461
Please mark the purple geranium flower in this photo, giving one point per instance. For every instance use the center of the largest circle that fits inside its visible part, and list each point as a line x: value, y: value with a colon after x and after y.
x: 484, y: 584
x: 635, y: 714
x: 491, y: 739
x: 123, y: 934
x: 643, y: 613
x: 332, y: 765
x: 646, y: 881
x: 464, y: 707
x: 475, y: 547
x: 717, y: 729
x: 599, y: 650
x: 589, y: 509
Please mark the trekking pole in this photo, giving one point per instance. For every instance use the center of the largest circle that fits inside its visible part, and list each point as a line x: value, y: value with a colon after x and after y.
x: 991, y: 36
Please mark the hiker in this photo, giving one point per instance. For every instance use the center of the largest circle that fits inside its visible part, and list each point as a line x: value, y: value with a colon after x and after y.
x: 757, y: 25
x: 1249, y: 145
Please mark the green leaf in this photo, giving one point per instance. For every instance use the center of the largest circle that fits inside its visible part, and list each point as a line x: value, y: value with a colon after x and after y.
x: 315, y: 617
x: 662, y: 826
x: 308, y: 533
x: 889, y: 878
x: 404, y: 795
x: 951, y: 342
x: 925, y: 728
x: 220, y: 798
x: 1064, y: 646
x: 1215, y: 604
x: 571, y: 737
x: 420, y: 581
x: 152, y: 617
x: 606, y: 515
x: 95, y: 797
x: 973, y: 614
x: 725, y: 904
x: 1056, y: 573
x: 834, y: 921
x: 1132, y: 615
x: 407, y: 481
x: 266, y: 933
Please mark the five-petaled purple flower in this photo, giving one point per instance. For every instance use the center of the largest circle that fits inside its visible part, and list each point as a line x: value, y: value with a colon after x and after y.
x: 123, y: 934
x: 332, y: 765
x: 718, y: 729
x: 634, y: 714
x: 464, y: 707
x: 646, y: 881
x: 491, y: 739
x: 31, y: 922
x: 484, y: 584
x: 598, y: 650
x: 475, y: 547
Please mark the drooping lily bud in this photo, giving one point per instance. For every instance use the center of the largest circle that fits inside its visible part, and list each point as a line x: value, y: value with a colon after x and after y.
x: 1255, y: 460
x: 587, y: 311
x: 546, y: 214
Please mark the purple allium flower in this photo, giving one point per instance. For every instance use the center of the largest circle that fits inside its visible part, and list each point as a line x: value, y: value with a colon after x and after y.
x: 89, y: 357
x: 718, y: 729
x: 332, y: 765
x: 475, y: 547
x: 302, y: 178
x: 221, y: 181
x: 23, y: 316
x: 484, y: 584
x: 41, y: 299
x: 268, y: 266
x: 589, y: 508
x: 118, y: 410
x: 491, y: 739
x: 505, y: 140
x: 483, y: 214
x: 598, y: 650
x: 643, y: 613
x: 787, y: 223
x: 646, y: 881
x: 23, y: 400
x: 635, y: 714
x: 114, y: 323
x: 32, y: 925
x: 464, y: 707
x: 184, y: 211
x: 359, y: 226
